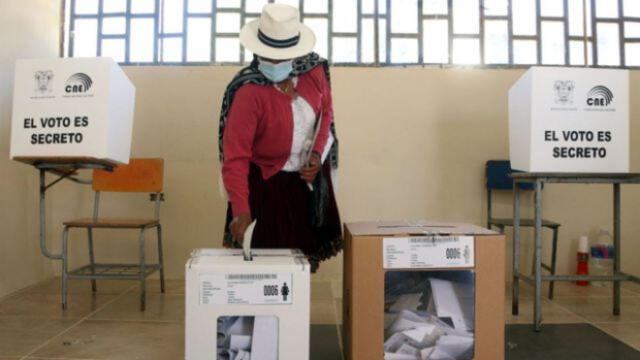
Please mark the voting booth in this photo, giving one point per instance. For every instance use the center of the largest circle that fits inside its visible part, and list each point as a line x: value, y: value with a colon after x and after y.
x: 570, y: 120
x: 256, y: 309
x: 423, y: 291
x: 71, y: 108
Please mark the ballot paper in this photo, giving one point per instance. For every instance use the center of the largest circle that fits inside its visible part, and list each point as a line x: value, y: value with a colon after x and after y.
x: 407, y: 302
x: 246, y: 241
x: 454, y: 301
x: 429, y: 315
x: 247, y: 338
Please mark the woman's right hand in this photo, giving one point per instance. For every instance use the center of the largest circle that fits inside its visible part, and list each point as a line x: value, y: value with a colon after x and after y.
x: 238, y: 227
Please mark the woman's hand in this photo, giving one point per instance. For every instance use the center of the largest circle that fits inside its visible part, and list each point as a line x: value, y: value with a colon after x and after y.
x: 308, y: 173
x: 238, y: 227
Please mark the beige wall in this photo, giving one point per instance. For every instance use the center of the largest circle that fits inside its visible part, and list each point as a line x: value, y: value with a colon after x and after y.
x: 413, y: 145
x: 23, y: 33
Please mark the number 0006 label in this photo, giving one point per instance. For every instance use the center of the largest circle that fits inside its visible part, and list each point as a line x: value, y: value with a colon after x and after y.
x: 249, y: 289
x: 426, y: 252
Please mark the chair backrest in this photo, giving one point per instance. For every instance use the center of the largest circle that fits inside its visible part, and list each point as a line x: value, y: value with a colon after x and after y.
x: 497, y: 176
x: 140, y: 175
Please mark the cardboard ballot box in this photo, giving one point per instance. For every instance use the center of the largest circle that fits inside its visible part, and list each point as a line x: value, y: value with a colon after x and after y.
x: 240, y: 309
x: 570, y: 120
x: 71, y: 108
x: 423, y: 290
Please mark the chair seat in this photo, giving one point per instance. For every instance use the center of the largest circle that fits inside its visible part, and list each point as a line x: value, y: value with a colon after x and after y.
x: 112, y: 223
x: 523, y: 222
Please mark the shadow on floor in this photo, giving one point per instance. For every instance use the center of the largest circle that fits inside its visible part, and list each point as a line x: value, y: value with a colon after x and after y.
x: 324, y: 343
x: 565, y: 342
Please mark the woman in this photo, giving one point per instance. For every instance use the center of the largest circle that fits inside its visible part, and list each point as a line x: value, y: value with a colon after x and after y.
x: 274, y: 114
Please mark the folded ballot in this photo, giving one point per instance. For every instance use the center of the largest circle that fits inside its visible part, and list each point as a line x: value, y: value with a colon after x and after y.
x: 430, y: 316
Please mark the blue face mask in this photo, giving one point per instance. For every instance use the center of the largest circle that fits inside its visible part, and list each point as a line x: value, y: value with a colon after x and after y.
x: 275, y: 72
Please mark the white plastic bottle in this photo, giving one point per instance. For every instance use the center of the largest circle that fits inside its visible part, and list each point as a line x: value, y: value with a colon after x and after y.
x: 602, y: 253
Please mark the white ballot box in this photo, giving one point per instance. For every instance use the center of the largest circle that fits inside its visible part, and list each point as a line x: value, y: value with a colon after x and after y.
x: 247, y: 309
x: 71, y: 108
x: 570, y: 120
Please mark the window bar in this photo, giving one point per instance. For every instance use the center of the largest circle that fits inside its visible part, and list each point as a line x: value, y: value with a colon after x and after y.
x: 329, y: 31
x: 388, y: 37
x: 99, y: 32
x: 594, y: 34
x: 510, y: 31
x: 243, y: 16
x: 359, y: 35
x: 567, y: 44
x: 376, y: 33
x: 481, y: 31
x: 72, y: 27
x: 420, y: 33
x: 450, y: 30
x: 184, y: 31
x: 127, y: 32
x: 538, y: 33
x: 621, y: 35
x: 156, y: 31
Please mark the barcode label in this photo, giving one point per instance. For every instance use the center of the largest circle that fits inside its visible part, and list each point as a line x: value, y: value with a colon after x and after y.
x: 433, y: 239
x: 425, y: 252
x: 251, y: 276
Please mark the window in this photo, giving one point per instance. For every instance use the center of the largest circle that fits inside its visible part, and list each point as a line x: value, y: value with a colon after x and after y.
x: 494, y: 33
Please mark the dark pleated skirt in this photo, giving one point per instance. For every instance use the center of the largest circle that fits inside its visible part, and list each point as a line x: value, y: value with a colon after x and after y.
x: 282, y: 206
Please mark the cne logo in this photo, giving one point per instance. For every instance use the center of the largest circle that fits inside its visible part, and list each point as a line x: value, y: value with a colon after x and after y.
x: 78, y: 83
x: 599, y: 96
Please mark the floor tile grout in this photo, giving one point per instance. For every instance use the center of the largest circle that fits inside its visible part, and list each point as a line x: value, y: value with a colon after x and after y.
x: 139, y: 321
x: 75, y: 324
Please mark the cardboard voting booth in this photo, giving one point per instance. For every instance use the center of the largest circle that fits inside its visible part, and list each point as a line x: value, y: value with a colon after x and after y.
x: 570, y: 120
x: 423, y: 291
x: 71, y: 108
x: 241, y: 309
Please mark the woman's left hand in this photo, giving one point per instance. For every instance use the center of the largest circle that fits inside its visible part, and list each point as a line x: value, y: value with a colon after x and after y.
x: 308, y: 173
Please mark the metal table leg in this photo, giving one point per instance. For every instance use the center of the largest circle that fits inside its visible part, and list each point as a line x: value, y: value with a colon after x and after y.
x: 43, y: 222
x: 616, y: 245
x: 515, y: 285
x: 537, y: 311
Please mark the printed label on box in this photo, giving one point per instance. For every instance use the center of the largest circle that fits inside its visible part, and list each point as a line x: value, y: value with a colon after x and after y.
x: 246, y: 288
x: 427, y: 252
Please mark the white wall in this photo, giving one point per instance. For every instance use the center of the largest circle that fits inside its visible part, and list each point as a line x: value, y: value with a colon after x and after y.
x: 24, y: 32
x: 413, y: 145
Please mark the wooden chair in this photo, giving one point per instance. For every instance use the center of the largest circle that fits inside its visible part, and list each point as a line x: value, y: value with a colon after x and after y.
x: 139, y: 176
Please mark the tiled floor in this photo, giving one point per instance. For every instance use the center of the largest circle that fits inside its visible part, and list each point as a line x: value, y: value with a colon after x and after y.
x: 108, y: 325
x: 584, y: 304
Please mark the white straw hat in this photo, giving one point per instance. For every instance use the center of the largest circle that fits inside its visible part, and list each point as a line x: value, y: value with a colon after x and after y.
x: 278, y: 34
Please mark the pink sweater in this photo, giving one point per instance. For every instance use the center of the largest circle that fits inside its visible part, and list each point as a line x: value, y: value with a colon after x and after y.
x: 259, y: 129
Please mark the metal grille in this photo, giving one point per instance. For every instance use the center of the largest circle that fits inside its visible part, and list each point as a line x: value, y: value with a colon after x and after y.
x: 487, y: 33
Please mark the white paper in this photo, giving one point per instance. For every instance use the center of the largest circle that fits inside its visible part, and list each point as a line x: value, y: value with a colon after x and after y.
x: 265, y: 338
x: 240, y: 342
x: 393, y: 356
x: 246, y: 242
x: 408, y: 349
x: 455, y: 346
x: 427, y: 252
x: 402, y: 324
x: 426, y: 353
x: 451, y: 300
x: 407, y: 302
